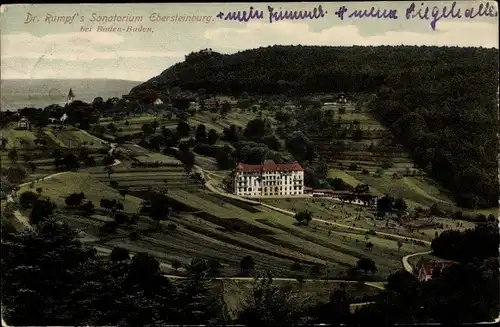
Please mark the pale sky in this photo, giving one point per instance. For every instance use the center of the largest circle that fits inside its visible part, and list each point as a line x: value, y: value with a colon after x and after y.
x: 61, y: 50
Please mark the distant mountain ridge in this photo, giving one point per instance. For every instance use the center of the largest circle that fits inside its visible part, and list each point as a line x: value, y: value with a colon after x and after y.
x: 303, y: 70
x: 38, y: 93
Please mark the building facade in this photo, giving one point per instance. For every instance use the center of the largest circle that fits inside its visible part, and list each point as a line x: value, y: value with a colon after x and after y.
x: 268, y: 179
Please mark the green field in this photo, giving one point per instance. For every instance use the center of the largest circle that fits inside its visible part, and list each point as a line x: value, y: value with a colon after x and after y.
x: 348, y: 179
x: 58, y: 187
x: 158, y: 157
x: 18, y: 138
x: 71, y: 138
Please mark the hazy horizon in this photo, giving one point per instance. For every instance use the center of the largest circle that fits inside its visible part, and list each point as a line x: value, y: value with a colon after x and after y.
x: 44, y: 50
x: 18, y: 93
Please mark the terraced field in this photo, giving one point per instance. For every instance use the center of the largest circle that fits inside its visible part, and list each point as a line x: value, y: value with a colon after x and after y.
x: 70, y: 137
x: 127, y: 177
x: 212, y: 226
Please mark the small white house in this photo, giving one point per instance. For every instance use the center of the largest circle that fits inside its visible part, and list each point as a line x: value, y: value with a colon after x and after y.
x: 23, y: 123
x: 158, y: 102
x: 194, y: 105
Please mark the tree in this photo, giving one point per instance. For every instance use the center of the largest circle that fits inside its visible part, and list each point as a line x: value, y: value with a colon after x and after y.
x: 296, y: 267
x: 148, y: 129
x: 15, y: 175
x: 336, y: 311
x: 303, y: 217
x: 27, y: 199
x: 385, y: 204
x: 225, y: 108
x: 197, y: 266
x: 400, y: 205
x: 109, y: 170
x: 201, y: 134
x: 74, y: 199
x: 212, y: 136
x: 399, y: 245
x: 84, y: 124
x: 87, y: 208
x: 316, y: 270
x: 357, y: 135
x: 247, y: 264
x: 269, y: 305
x: 188, y: 160
x: 183, y: 129
x: 13, y: 155
x: 366, y: 265
x: 119, y: 254
x: 52, y: 246
x: 142, y: 267
x: 32, y: 166
x: 176, y: 264
x: 70, y: 161
x: 402, y: 282
x: 41, y: 209
x: 108, y: 160
x: 214, y: 267
x: 159, y: 209
x: 299, y: 145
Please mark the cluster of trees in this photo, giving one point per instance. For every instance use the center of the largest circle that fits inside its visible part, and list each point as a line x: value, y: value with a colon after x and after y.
x: 63, y: 282
x: 388, y: 204
x: 72, y: 161
x: 471, y: 245
x: 10, y: 177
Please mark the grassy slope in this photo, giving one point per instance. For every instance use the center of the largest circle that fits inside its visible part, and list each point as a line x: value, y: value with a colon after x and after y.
x: 14, y: 136
x: 57, y: 188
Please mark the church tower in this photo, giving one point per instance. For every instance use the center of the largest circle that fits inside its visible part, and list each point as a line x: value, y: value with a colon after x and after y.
x: 70, y: 97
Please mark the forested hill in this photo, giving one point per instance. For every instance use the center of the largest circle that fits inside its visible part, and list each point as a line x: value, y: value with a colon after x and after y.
x: 441, y: 102
x: 312, y: 69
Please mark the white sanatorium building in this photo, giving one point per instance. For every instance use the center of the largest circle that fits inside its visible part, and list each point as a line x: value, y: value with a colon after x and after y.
x: 268, y: 179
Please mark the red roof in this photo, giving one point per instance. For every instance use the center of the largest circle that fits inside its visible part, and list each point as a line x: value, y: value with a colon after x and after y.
x: 269, y: 166
x: 307, y: 188
x: 327, y: 190
x: 429, y: 267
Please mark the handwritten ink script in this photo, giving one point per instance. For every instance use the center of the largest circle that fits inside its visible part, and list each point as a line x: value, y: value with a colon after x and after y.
x: 413, y: 11
x: 117, y: 22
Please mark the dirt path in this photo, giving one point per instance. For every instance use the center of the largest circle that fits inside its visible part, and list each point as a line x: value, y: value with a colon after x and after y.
x: 407, y: 266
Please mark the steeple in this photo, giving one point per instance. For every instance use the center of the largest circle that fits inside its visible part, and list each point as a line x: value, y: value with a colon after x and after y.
x: 70, y: 97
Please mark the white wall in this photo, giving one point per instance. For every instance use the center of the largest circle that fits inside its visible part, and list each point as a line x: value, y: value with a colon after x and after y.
x: 269, y: 184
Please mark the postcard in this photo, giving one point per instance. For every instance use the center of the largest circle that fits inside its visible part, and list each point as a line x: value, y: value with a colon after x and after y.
x: 249, y: 163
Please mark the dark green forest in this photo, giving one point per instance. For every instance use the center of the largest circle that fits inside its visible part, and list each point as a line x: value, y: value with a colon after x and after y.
x: 50, y: 278
x: 440, y: 102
